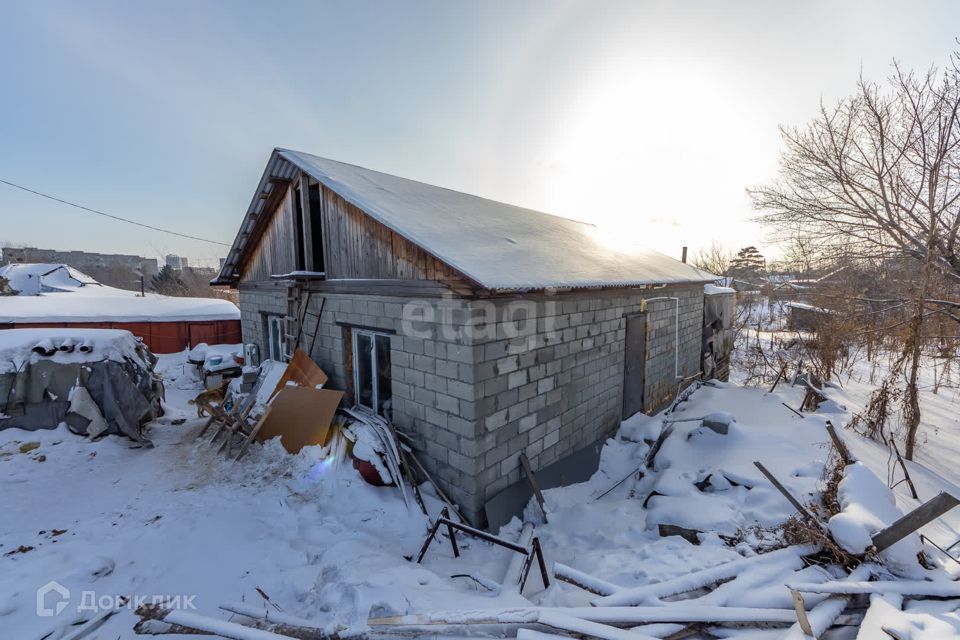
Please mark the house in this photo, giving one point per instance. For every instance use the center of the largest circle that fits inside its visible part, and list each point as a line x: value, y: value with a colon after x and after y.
x: 115, y: 270
x: 482, y: 329
x: 56, y: 295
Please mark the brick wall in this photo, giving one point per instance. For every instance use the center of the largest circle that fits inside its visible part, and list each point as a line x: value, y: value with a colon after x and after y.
x: 477, y: 382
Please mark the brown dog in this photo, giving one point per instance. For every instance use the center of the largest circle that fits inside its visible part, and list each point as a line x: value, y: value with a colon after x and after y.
x: 206, y: 399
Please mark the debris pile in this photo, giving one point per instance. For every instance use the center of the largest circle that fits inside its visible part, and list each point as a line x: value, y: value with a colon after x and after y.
x: 96, y: 381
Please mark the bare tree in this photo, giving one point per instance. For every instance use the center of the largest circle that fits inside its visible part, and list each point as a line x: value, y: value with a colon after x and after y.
x: 881, y: 171
x: 878, y: 170
x: 715, y: 259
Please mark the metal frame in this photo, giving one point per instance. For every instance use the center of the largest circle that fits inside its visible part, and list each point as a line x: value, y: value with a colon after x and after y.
x: 356, y: 331
x: 282, y: 328
x: 534, y: 552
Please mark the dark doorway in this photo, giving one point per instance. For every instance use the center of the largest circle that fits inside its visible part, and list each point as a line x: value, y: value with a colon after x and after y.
x: 316, y: 228
x: 634, y: 364
x: 300, y: 264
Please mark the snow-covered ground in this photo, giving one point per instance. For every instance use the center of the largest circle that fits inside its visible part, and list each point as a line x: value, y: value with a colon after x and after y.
x: 105, y: 519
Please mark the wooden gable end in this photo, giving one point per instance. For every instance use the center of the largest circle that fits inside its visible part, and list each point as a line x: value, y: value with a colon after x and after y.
x: 355, y: 246
x: 360, y: 247
x: 275, y: 249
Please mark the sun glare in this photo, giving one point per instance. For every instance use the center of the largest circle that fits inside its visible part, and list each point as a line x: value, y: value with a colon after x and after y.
x: 632, y: 156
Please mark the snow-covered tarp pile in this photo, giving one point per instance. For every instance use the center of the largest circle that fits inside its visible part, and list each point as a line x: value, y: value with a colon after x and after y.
x: 96, y: 381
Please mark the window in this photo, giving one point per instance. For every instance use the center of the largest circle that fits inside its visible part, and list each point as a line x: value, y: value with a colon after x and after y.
x: 276, y: 340
x: 371, y: 371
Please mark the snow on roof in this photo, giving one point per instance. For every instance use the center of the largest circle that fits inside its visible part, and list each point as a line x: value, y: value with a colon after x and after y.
x: 16, y: 346
x: 711, y: 289
x: 62, y: 294
x: 498, y: 246
x: 38, y: 277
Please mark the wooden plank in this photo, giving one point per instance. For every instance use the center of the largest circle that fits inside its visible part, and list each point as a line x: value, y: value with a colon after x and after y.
x: 254, y: 432
x: 841, y: 446
x: 776, y: 483
x: 710, y: 575
x: 301, y: 416
x: 900, y: 587
x: 922, y: 515
x: 534, y: 486
x: 680, y: 612
x: 593, y: 629
x: 583, y: 580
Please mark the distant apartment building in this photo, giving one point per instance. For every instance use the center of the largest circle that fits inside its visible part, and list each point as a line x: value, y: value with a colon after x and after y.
x: 178, y: 263
x: 116, y: 270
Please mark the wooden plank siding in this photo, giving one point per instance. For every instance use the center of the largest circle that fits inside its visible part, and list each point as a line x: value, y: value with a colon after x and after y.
x: 275, y: 251
x: 355, y: 247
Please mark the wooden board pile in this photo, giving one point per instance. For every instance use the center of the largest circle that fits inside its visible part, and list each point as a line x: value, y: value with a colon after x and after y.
x: 704, y: 603
x: 298, y: 410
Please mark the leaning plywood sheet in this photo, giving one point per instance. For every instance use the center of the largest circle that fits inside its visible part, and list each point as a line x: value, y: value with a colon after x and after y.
x: 300, y: 416
x: 303, y: 371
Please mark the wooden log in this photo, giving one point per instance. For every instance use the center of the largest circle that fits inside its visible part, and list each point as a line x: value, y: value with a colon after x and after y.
x: 925, y: 513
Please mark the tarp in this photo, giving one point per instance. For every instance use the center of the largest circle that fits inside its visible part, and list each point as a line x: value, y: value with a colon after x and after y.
x: 39, y: 394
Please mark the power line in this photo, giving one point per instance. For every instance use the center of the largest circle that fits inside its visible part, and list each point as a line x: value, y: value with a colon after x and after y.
x: 107, y: 215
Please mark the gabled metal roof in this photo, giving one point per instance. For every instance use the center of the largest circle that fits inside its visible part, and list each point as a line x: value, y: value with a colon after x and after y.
x: 499, y: 246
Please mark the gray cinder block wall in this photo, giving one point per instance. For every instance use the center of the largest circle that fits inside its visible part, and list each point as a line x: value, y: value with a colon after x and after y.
x: 478, y: 382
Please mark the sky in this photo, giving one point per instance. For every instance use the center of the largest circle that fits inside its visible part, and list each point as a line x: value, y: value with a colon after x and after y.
x: 648, y: 119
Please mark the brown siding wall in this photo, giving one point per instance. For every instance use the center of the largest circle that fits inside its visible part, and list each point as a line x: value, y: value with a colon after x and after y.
x: 355, y: 246
x: 275, y: 252
x: 361, y: 247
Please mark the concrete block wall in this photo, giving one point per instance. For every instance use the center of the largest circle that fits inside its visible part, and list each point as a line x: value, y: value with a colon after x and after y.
x: 478, y: 382
x: 560, y: 389
x: 432, y: 370
x: 254, y: 305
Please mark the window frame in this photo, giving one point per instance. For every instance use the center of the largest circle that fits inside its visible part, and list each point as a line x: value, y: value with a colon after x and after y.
x: 374, y: 378
x: 270, y: 319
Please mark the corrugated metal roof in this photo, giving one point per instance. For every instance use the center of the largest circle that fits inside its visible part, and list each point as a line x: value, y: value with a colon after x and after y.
x: 499, y: 246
